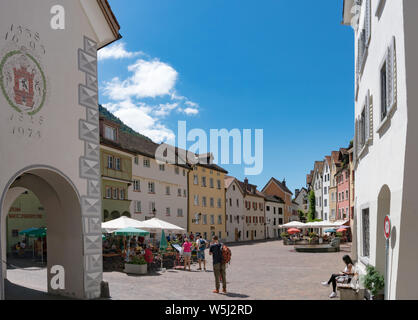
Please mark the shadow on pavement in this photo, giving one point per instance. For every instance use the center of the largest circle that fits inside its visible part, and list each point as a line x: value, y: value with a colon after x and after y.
x: 246, y: 243
x: 236, y: 295
x: 16, y: 292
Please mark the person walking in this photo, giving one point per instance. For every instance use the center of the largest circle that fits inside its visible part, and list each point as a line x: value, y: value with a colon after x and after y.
x: 187, y: 252
x: 346, y: 274
x: 218, y: 266
x: 201, y: 247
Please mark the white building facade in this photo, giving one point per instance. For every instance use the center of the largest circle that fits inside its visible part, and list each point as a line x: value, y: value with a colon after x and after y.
x: 325, y: 189
x: 274, y: 208
x: 385, y: 144
x: 317, y: 184
x: 158, y: 190
x: 234, y: 210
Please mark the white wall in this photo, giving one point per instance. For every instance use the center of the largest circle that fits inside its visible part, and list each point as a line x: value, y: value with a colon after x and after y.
x: 383, y: 162
x: 234, y: 210
x: 326, y: 184
x: 161, y: 179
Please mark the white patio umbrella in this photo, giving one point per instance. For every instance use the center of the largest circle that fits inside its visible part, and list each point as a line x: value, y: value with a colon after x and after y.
x: 156, y: 225
x: 121, y: 223
x: 294, y: 224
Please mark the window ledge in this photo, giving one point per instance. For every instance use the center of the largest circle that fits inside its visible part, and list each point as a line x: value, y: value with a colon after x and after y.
x: 361, y: 153
x: 386, y: 121
x: 365, y: 261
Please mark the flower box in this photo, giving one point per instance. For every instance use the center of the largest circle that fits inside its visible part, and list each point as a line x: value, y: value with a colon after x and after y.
x: 136, y: 268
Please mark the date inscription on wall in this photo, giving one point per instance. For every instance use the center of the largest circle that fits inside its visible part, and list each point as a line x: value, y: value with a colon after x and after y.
x: 22, y: 81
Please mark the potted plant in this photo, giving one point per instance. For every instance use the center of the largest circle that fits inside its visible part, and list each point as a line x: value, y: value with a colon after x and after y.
x: 137, y: 265
x: 285, y: 236
x: 374, y: 282
x: 313, y: 237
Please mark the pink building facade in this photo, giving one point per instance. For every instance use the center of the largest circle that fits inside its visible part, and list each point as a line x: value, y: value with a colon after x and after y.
x: 343, y: 193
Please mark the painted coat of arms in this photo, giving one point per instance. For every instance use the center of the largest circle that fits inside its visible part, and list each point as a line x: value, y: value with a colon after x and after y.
x: 22, y: 81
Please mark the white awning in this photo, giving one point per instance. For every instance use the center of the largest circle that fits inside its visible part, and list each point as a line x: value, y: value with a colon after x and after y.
x: 316, y: 224
x: 156, y: 225
x: 121, y: 223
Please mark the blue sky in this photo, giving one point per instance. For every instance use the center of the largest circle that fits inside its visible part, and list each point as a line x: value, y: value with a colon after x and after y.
x: 282, y: 66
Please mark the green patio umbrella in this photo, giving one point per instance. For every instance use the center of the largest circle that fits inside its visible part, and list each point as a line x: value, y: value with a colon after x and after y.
x: 163, y: 246
x: 36, y: 233
x: 163, y: 242
x: 131, y: 232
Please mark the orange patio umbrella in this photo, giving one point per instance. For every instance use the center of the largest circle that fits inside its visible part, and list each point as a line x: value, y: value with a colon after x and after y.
x: 341, y: 230
x: 293, y: 231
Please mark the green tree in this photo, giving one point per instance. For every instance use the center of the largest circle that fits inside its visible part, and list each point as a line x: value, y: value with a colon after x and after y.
x: 302, y: 215
x: 311, y: 212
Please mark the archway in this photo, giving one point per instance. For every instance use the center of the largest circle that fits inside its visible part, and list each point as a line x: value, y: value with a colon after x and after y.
x: 106, y: 216
x: 114, y: 215
x: 383, y: 209
x: 63, y: 221
x: 126, y: 214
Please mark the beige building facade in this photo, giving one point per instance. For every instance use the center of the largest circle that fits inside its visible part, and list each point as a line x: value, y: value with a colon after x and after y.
x: 206, y: 190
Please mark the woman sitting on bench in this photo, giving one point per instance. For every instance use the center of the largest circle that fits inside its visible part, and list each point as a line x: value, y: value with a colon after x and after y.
x: 341, y: 277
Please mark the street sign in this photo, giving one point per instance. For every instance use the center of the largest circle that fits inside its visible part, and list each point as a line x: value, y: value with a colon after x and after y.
x: 387, y: 227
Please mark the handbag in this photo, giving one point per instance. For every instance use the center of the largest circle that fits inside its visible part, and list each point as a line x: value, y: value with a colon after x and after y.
x: 342, y: 279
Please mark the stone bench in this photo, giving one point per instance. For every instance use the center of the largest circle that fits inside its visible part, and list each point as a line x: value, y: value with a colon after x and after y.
x: 349, y: 293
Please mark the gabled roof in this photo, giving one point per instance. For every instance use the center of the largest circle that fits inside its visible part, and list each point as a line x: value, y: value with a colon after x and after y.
x: 273, y: 198
x: 309, y: 178
x: 251, y: 189
x: 319, y: 166
x: 134, y: 144
x: 328, y: 160
x: 281, y: 185
x: 110, y: 17
x: 335, y: 156
x: 102, y: 20
x: 228, y: 181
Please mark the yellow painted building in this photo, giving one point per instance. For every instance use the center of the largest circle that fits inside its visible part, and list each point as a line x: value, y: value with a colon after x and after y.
x: 206, y: 210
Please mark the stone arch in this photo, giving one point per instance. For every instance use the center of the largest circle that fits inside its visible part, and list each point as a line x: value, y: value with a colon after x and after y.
x: 115, y: 214
x: 62, y: 204
x: 126, y: 214
x: 106, y: 215
x: 383, y: 209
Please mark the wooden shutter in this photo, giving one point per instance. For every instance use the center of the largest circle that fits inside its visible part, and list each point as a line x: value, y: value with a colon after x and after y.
x: 367, y: 23
x: 356, y: 140
x: 366, y: 119
x: 391, y: 74
x: 370, y: 113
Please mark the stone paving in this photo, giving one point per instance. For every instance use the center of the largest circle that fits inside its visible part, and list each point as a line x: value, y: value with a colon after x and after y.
x: 259, y: 270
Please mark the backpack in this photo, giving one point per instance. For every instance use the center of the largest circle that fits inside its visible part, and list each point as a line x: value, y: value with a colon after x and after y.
x: 226, y: 254
x: 202, y: 244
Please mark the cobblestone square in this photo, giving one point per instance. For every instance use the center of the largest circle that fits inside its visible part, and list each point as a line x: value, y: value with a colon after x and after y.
x: 259, y: 270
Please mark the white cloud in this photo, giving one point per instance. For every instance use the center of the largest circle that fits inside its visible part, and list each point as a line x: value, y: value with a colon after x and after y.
x: 116, y: 51
x: 138, y: 117
x: 191, y: 111
x: 164, y: 110
x: 150, y: 79
x: 191, y: 104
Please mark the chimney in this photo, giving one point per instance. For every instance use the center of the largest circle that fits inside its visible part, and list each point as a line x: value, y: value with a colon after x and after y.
x: 246, y: 184
x: 284, y: 182
x: 296, y: 192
